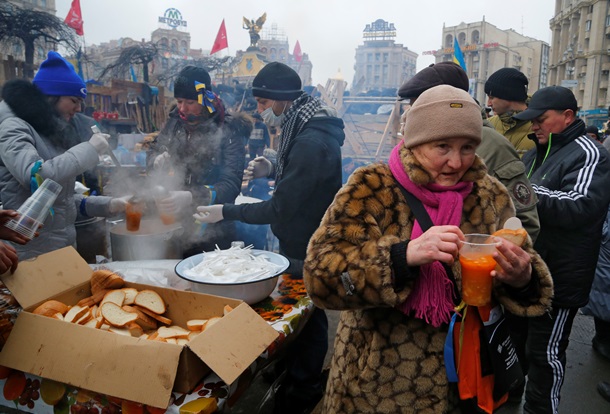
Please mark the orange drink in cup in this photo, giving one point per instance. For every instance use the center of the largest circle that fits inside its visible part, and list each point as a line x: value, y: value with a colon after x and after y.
x: 133, y: 215
x: 477, y: 263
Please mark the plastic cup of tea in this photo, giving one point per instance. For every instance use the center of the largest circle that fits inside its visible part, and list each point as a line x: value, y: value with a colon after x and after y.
x: 166, y: 214
x: 477, y: 263
x: 34, y: 211
x: 133, y: 215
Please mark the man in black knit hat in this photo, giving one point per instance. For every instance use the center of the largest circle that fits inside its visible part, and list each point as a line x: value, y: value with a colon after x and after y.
x: 307, y: 177
x: 507, y: 95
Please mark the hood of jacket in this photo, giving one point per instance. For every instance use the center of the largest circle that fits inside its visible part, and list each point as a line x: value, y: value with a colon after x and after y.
x: 328, y: 124
x: 27, y: 102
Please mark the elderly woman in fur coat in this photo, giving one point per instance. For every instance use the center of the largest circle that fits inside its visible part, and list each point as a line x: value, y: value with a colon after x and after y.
x: 371, y: 259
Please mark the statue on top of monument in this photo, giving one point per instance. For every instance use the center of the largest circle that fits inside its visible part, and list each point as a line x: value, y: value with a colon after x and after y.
x: 254, y: 28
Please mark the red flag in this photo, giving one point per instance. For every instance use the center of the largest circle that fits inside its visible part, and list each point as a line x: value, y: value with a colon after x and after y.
x: 221, y: 41
x: 298, y: 55
x: 74, y: 19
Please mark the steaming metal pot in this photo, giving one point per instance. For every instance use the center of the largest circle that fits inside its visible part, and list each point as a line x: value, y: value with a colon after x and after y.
x: 153, y: 241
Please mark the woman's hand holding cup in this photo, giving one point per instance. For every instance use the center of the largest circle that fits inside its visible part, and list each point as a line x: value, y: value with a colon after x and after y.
x: 437, y: 243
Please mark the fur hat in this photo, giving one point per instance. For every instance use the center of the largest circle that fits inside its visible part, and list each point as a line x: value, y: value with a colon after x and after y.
x: 56, y: 77
x: 278, y: 82
x: 508, y: 84
x: 184, y: 85
x: 442, y: 112
x: 443, y: 73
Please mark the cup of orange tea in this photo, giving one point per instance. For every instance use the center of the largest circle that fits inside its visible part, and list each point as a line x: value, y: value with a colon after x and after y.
x: 133, y: 215
x: 477, y: 263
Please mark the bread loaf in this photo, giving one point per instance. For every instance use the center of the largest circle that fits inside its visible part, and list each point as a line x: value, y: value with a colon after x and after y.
x: 196, y: 324
x: 130, y: 295
x: 116, y: 316
x: 173, y: 332
x: 105, y: 279
x: 51, y: 307
x: 211, y: 322
x: 517, y: 237
x: 160, y: 318
x: 149, y: 299
x: 115, y: 296
x: 75, y: 313
x: 145, y: 321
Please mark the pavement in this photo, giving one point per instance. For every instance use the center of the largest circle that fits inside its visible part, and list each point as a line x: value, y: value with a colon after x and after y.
x: 585, y: 368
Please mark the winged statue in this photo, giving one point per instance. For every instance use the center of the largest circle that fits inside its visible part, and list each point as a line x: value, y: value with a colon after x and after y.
x: 254, y: 27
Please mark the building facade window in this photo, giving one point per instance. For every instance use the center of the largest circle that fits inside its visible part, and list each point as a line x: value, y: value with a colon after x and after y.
x: 588, y: 26
x: 448, y: 41
x: 462, y: 39
x: 474, y: 37
x: 607, y: 20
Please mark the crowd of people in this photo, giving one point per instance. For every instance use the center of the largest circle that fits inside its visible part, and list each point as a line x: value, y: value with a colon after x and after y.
x: 353, y: 230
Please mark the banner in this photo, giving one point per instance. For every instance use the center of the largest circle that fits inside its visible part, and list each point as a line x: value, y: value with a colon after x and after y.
x: 74, y: 19
x: 298, y: 55
x: 221, y: 41
x: 458, y: 56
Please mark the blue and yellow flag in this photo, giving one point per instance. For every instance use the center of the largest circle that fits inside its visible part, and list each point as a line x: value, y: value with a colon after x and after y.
x: 134, y: 78
x: 458, y: 56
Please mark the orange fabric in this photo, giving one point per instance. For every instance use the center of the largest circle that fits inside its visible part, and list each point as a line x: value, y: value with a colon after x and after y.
x: 471, y: 384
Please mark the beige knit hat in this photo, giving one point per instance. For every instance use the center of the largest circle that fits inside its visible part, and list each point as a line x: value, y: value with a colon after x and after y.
x: 442, y: 112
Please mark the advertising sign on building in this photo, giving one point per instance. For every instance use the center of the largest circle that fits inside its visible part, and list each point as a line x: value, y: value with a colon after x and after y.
x: 569, y: 83
x: 173, y: 18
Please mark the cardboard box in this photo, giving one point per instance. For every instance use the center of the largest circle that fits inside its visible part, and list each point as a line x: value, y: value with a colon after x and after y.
x: 126, y: 367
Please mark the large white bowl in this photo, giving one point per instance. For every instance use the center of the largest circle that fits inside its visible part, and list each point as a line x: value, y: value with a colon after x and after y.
x: 249, y: 292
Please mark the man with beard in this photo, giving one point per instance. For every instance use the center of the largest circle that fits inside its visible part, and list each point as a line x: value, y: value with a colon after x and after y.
x: 32, y: 148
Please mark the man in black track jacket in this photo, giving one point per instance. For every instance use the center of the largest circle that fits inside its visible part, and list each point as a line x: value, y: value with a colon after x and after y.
x: 571, y: 176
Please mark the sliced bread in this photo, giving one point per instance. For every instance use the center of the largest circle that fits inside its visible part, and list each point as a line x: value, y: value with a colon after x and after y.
x: 115, y: 315
x: 149, y: 299
x: 51, y: 307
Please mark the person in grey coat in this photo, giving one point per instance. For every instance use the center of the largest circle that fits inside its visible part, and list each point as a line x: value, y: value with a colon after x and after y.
x: 31, y: 148
x: 599, y: 297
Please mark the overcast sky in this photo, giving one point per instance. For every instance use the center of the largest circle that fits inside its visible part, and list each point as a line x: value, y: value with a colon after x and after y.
x: 329, y: 31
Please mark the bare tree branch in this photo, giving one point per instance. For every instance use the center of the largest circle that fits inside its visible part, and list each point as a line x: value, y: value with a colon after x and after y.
x: 140, y: 54
x: 28, y: 26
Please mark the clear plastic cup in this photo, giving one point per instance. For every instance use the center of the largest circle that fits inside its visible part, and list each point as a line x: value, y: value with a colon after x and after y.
x: 33, y: 212
x: 477, y: 263
x: 166, y: 215
x: 133, y: 215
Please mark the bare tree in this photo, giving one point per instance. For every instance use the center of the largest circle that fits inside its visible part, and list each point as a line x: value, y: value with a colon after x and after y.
x: 139, y: 54
x: 209, y: 63
x: 28, y: 26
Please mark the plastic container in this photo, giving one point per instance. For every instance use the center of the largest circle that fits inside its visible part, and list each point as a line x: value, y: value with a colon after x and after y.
x: 133, y: 215
x: 35, y: 209
x: 477, y: 263
x: 166, y: 215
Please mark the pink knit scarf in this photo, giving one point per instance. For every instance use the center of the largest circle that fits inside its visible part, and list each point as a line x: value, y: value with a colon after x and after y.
x: 432, y: 296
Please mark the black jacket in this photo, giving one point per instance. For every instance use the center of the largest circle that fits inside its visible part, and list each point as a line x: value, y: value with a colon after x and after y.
x: 310, y: 180
x: 212, y: 153
x: 572, y: 183
x: 209, y: 154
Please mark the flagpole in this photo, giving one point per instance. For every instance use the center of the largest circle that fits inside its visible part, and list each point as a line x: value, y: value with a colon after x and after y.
x: 85, y: 72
